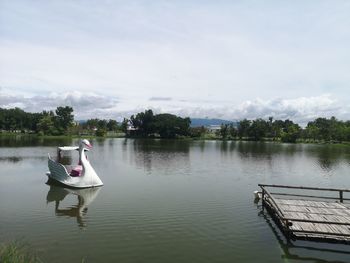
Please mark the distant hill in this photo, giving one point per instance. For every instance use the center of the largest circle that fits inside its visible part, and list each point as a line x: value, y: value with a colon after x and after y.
x: 197, y: 122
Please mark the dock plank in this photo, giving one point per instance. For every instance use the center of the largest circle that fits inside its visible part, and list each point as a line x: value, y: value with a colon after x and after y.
x: 327, y: 212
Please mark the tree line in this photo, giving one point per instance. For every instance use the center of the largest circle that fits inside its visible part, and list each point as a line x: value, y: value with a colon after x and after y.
x: 58, y: 122
x: 46, y: 122
x: 320, y: 129
x: 165, y: 125
x: 100, y: 126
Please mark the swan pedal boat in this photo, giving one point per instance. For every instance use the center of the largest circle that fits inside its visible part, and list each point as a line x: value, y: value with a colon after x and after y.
x: 82, y: 175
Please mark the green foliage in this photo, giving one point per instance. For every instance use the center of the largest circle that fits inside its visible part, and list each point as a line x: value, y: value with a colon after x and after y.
x: 18, y: 120
x: 64, y: 119
x: 100, y: 132
x: 16, y: 252
x: 46, y: 125
x: 124, y: 125
x: 243, y: 128
x: 112, y: 125
x: 291, y: 133
x: 144, y: 123
x: 258, y: 129
x: 46, y: 122
x: 91, y: 123
x: 59, y: 124
x: 197, y: 132
x: 276, y: 128
x: 101, y: 126
x: 165, y: 125
x: 323, y: 129
x: 170, y: 126
x: 232, y: 131
x: 224, y: 131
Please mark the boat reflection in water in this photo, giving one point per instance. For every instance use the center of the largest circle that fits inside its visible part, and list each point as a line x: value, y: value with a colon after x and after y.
x: 84, y: 198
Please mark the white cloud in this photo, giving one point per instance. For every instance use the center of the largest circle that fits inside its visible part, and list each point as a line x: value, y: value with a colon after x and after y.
x: 90, y: 105
x: 301, y: 110
x: 86, y: 105
x: 160, y: 98
x: 210, y: 58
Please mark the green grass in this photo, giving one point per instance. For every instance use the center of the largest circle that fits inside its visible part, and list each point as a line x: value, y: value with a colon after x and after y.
x: 13, y: 134
x: 108, y: 135
x: 17, y: 252
x: 205, y: 136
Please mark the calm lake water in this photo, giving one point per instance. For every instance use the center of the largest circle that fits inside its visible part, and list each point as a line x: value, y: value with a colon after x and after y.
x: 164, y: 201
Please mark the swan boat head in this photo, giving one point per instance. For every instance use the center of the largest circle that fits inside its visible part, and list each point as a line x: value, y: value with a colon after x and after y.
x: 85, y: 143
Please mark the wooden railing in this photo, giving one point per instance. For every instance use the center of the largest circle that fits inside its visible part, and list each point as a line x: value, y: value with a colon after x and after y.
x: 341, y: 191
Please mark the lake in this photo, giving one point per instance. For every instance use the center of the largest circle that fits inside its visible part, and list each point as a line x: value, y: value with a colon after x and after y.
x: 164, y: 200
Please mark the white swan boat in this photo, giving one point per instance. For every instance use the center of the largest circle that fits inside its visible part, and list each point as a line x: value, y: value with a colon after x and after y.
x: 82, y: 175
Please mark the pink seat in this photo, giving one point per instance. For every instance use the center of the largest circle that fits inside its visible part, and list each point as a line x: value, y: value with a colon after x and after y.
x: 76, y: 171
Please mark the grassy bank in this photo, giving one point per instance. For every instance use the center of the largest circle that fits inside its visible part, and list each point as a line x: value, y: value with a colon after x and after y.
x: 87, y: 136
x: 276, y: 140
x: 206, y: 136
x: 17, y: 252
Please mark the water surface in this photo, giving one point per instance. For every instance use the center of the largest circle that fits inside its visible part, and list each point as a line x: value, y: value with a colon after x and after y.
x: 164, y: 201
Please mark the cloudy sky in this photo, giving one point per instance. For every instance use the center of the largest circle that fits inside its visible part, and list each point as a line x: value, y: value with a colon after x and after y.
x: 225, y: 59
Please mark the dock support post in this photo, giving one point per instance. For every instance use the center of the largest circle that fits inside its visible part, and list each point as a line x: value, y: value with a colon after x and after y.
x: 263, y: 198
x: 341, y: 196
x: 287, y: 230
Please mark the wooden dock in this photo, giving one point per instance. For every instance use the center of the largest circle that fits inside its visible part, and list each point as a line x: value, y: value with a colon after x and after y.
x: 309, y: 217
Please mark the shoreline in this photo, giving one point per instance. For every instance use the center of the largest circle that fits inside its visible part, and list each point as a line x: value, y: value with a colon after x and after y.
x: 209, y: 138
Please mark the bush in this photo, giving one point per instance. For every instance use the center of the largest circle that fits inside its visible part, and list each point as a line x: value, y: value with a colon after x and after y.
x: 16, y: 252
x: 101, y: 132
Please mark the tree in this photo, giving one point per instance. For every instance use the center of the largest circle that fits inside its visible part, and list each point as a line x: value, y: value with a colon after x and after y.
x: 312, y: 131
x: 232, y: 131
x: 324, y: 128
x: 64, y: 118
x: 46, y: 125
x: 124, y: 125
x: 269, y: 127
x: 224, y: 130
x: 165, y: 125
x: 291, y: 133
x: 258, y: 129
x: 276, y: 129
x: 100, y: 132
x: 91, y: 124
x: 143, y: 122
x: 197, y: 132
x: 243, y: 127
x: 102, y: 124
x: 112, y: 125
x: 169, y: 126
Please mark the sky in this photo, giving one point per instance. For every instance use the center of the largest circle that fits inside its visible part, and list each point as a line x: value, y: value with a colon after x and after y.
x: 206, y: 59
